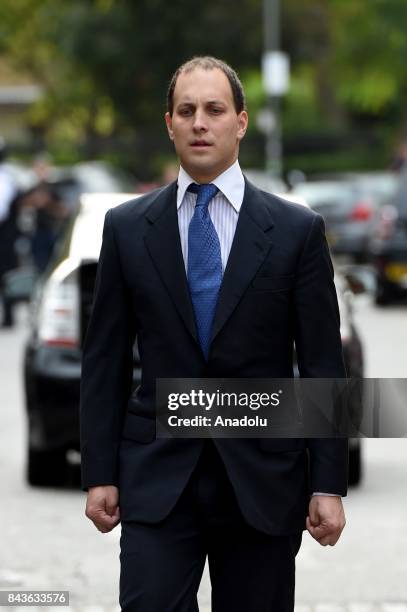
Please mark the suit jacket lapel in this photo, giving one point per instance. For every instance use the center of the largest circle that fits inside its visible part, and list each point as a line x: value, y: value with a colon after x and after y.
x: 250, y: 247
x: 164, y: 245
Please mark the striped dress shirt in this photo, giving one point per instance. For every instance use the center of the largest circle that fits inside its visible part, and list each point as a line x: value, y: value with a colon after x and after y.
x: 223, y: 209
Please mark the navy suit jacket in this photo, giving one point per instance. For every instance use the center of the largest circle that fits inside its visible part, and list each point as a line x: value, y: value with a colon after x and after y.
x: 277, y: 290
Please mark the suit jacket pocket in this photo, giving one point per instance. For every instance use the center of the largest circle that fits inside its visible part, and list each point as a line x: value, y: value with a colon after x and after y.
x: 273, y: 283
x: 138, y: 428
x: 281, y: 445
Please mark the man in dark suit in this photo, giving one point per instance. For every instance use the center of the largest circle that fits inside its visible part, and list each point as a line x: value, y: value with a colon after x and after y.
x: 215, y: 279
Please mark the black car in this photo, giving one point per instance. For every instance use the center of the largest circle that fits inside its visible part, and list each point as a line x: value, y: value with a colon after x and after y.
x: 60, y: 312
x: 52, y: 366
x: 388, y: 247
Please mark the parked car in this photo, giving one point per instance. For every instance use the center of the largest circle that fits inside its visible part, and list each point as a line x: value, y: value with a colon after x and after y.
x: 60, y: 312
x: 350, y: 206
x: 52, y: 364
x: 381, y: 184
x: 89, y: 177
x: 388, y: 247
x: 347, y: 285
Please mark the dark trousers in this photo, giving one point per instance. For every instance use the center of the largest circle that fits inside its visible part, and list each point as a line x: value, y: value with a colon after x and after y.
x: 162, y: 564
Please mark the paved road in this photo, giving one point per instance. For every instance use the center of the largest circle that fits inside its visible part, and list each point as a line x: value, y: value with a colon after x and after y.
x: 46, y: 542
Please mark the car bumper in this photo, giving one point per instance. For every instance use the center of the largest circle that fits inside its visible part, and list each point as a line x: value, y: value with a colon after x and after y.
x: 52, y: 388
x: 391, y: 271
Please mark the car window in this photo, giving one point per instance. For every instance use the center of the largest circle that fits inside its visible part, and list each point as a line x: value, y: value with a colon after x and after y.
x: 327, y: 194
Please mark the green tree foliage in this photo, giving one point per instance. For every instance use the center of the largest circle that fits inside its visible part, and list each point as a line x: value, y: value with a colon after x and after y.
x: 354, y: 53
x: 105, y: 64
x: 371, y: 53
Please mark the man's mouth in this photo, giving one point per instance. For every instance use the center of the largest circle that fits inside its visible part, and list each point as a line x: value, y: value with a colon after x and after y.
x: 200, y: 143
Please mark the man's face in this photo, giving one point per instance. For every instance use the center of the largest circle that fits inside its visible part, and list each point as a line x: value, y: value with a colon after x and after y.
x: 205, y: 126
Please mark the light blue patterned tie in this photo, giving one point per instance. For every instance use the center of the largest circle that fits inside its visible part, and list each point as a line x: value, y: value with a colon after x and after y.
x: 204, y: 263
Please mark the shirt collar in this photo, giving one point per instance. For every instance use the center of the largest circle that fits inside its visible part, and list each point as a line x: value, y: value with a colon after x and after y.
x: 230, y: 183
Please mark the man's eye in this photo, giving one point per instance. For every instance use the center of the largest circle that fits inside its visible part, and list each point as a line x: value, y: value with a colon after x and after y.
x: 185, y: 112
x: 216, y: 111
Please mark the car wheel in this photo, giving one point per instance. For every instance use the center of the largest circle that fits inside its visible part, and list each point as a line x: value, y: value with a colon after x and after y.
x: 46, y: 468
x: 355, y: 465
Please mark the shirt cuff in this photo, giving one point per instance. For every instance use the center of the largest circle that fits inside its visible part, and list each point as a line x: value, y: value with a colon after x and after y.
x: 327, y: 494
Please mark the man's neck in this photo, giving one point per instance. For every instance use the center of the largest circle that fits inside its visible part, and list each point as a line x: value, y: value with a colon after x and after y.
x: 207, y: 178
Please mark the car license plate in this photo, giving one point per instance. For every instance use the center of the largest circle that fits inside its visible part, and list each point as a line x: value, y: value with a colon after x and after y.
x: 397, y: 273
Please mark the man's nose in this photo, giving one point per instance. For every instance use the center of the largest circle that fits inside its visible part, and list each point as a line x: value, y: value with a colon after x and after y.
x: 199, y: 121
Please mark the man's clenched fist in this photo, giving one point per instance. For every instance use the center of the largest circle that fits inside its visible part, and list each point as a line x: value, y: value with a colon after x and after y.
x: 326, y: 519
x: 102, y: 507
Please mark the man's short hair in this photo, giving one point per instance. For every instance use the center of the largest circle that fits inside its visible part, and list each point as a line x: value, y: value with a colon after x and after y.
x: 209, y: 63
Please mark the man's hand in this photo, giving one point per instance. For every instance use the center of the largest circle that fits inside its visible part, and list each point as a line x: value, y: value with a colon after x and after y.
x: 326, y: 519
x: 102, y: 507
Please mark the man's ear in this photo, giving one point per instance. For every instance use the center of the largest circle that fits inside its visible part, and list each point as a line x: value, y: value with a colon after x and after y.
x: 168, y: 121
x: 243, y: 121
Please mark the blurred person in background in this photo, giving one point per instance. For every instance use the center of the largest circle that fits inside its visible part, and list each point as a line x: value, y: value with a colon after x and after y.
x: 162, y: 277
x: 8, y: 232
x: 49, y: 214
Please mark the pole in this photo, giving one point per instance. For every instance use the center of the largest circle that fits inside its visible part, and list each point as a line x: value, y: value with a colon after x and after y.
x: 273, y: 148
